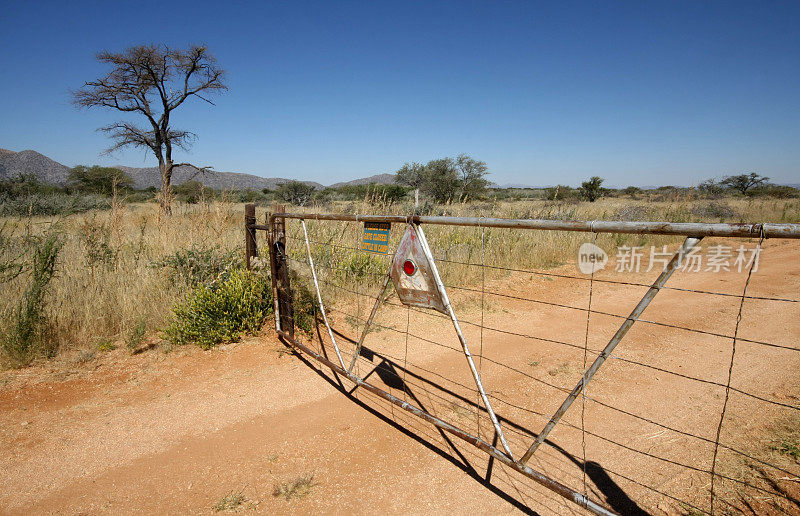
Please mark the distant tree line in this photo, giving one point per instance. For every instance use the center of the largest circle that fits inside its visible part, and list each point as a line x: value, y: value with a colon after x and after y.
x: 439, y: 181
x: 751, y: 184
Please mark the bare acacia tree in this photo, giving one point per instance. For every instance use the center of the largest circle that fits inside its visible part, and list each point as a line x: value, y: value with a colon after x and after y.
x: 153, y: 81
x: 744, y: 182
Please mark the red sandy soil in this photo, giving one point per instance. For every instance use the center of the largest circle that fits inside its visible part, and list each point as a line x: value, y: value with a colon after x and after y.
x: 176, y: 432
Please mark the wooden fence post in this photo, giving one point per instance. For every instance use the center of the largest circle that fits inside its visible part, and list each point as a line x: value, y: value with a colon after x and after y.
x: 281, y: 286
x: 250, y: 248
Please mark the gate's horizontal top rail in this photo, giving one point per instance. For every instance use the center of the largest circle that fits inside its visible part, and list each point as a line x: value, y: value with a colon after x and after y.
x: 693, y: 229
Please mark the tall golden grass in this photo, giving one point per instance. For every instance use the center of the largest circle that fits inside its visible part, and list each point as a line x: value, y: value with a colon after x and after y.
x: 108, y: 283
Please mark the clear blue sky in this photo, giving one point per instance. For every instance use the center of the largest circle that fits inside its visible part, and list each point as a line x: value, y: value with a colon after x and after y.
x: 640, y: 93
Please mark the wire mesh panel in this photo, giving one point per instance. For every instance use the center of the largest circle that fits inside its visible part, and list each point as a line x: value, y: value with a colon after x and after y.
x: 658, y: 382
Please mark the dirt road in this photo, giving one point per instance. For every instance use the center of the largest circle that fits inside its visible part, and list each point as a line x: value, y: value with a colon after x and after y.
x: 193, y: 431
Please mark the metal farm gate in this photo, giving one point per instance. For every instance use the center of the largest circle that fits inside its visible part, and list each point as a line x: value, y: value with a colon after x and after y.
x: 475, y: 326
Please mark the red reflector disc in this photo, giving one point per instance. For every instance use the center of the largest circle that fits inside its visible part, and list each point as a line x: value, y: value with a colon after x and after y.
x: 409, y: 268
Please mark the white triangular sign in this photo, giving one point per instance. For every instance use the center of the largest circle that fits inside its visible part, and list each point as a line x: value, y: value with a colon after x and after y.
x: 412, y: 275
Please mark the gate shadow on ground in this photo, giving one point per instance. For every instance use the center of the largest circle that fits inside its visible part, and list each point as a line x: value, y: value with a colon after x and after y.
x: 390, y: 374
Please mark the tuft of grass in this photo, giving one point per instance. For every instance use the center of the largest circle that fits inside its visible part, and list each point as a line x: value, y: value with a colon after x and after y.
x: 304, y: 305
x: 96, y: 239
x: 230, y: 501
x: 562, y: 369
x: 690, y: 511
x: 85, y: 356
x: 788, y: 446
x: 296, y: 489
x: 136, y: 336
x: 106, y: 345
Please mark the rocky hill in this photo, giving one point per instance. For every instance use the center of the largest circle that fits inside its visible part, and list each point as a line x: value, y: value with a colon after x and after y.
x: 13, y: 164
x: 150, y: 176
x: 380, y: 179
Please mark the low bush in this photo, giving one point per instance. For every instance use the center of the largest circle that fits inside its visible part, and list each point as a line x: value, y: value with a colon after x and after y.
x: 51, y: 204
x: 561, y: 192
x: 633, y: 212
x: 195, y: 266
x: 304, y: 305
x: 222, y: 312
x: 775, y: 191
x: 714, y: 211
x: 28, y: 334
x: 136, y: 336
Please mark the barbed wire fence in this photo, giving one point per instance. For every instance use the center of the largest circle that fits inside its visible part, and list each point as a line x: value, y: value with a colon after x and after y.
x: 696, y: 411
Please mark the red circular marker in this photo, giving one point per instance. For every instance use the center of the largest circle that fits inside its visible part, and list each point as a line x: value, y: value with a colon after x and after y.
x: 409, y: 268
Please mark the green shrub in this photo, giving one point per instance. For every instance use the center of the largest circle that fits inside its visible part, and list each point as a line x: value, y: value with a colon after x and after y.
x: 97, y: 179
x: 362, y: 266
x: 304, y: 304
x: 28, y: 333
x: 196, y: 266
x: 776, y: 191
x: 222, y: 312
x: 714, y: 211
x: 140, y: 196
x: 560, y: 192
x: 136, y: 335
x: 50, y: 204
x: 26, y: 184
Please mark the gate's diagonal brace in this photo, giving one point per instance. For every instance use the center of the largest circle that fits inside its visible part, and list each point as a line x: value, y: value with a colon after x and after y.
x: 446, y: 301
x: 671, y: 267
x: 319, y: 296
x: 369, y: 323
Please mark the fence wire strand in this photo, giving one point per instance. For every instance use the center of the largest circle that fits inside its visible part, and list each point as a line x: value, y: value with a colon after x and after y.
x: 730, y: 374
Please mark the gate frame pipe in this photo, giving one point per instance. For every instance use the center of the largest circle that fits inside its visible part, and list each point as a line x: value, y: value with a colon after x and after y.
x: 319, y: 296
x: 687, y: 229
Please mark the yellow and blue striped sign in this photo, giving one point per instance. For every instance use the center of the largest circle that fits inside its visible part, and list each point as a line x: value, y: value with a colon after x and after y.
x: 376, y: 237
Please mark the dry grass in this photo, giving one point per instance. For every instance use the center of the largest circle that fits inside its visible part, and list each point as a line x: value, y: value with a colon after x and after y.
x: 230, y: 502
x: 509, y: 248
x: 295, y: 489
x: 106, y: 286
x: 108, y: 291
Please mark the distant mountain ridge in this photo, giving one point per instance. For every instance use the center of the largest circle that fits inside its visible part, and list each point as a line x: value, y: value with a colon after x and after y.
x: 378, y: 179
x: 150, y: 176
x: 46, y: 170
x: 13, y: 164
